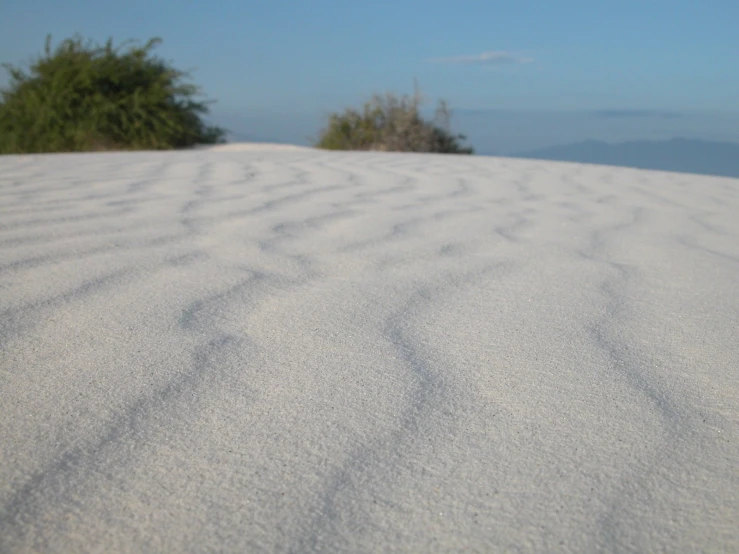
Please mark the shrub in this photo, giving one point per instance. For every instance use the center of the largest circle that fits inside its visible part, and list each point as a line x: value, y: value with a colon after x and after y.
x: 83, y: 97
x: 392, y: 124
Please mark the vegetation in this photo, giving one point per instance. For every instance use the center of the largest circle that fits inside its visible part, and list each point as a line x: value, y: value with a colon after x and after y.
x: 83, y: 97
x: 391, y: 124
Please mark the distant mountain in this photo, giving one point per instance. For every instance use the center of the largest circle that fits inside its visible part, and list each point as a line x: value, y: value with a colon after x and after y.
x: 679, y: 155
x: 235, y: 136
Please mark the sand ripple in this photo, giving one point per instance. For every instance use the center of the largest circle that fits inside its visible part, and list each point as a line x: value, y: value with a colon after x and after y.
x: 263, y: 349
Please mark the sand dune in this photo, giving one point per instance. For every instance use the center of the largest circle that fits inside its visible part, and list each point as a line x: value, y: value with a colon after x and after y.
x: 273, y: 350
x: 251, y: 146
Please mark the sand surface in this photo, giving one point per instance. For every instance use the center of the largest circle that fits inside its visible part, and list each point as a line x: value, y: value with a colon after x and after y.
x: 290, y: 350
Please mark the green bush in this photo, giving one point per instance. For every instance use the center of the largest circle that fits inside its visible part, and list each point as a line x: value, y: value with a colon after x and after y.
x: 83, y: 97
x: 391, y: 124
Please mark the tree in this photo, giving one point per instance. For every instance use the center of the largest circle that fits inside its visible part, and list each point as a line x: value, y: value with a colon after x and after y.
x: 83, y: 97
x: 390, y: 123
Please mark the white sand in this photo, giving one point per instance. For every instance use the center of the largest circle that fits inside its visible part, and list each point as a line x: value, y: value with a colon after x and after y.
x: 273, y: 350
x: 251, y: 146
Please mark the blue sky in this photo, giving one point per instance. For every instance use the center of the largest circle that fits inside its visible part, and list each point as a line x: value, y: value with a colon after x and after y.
x: 276, y: 58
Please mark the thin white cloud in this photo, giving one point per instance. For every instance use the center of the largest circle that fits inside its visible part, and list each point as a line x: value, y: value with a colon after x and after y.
x: 485, y: 58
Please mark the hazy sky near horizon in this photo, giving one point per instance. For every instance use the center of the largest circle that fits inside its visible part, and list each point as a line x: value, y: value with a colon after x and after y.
x: 635, y: 59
